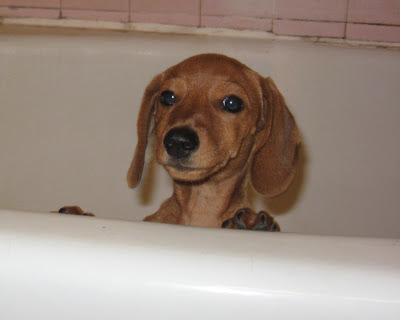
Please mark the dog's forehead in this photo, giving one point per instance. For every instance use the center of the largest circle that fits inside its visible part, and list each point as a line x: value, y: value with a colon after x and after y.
x: 205, y: 66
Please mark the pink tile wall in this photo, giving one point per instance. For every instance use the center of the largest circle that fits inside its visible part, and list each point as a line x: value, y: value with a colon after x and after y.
x: 115, y: 10
x: 31, y: 3
x: 317, y: 18
x: 237, y: 14
x: 95, y: 15
x: 29, y: 12
x: 375, y: 11
x: 369, y: 32
x: 102, y: 5
x: 316, y: 10
x: 249, y: 8
x: 235, y: 22
x: 48, y: 9
x: 374, y: 20
x: 309, y: 28
x: 178, y: 12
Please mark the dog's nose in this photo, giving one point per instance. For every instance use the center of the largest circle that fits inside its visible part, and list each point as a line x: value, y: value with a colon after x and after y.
x: 181, y: 142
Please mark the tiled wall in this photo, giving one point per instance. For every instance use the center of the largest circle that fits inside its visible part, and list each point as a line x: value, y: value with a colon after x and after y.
x: 374, y: 20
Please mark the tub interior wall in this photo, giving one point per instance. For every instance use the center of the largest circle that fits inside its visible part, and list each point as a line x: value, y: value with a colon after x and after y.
x: 69, y: 102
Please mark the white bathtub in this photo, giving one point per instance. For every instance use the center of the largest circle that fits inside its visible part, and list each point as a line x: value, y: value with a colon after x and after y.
x: 68, y: 106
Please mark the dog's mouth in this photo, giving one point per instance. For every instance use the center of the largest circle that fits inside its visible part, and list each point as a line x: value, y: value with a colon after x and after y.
x: 185, y: 168
x: 186, y: 172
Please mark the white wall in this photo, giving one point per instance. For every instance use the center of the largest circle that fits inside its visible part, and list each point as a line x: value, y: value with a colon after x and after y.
x: 69, y: 102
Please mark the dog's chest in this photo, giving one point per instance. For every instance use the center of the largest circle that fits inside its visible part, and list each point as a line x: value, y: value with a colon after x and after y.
x: 200, y: 221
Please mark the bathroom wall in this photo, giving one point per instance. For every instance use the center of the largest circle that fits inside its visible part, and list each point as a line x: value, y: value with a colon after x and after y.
x: 367, y: 20
x: 69, y: 101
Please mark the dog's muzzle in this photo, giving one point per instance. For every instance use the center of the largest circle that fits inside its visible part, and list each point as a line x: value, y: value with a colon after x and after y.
x: 181, y: 142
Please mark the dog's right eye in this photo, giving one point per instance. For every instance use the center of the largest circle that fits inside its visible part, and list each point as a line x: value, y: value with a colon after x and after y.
x: 167, y: 98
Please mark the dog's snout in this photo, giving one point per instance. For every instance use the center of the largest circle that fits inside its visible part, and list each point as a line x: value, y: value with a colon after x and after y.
x: 181, y: 142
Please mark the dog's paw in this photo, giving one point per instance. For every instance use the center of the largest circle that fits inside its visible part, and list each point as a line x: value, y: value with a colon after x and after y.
x: 75, y: 210
x: 249, y: 220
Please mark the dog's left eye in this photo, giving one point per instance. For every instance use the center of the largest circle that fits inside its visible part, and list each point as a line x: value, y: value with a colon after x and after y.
x: 232, y: 104
x: 167, y: 98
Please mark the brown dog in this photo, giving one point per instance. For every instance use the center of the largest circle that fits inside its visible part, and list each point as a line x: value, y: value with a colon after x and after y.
x: 217, y: 124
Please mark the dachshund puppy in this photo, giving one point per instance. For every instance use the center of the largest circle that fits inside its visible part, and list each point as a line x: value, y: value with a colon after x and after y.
x: 218, y: 125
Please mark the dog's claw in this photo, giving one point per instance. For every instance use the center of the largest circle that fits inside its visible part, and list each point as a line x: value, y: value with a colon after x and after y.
x: 248, y: 219
x: 262, y: 225
x: 237, y: 220
x: 239, y: 215
x: 275, y: 227
x: 225, y: 223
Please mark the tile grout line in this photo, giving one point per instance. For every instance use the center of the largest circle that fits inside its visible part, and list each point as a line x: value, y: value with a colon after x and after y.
x: 273, y: 16
x: 129, y: 10
x: 347, y: 20
x: 200, y: 14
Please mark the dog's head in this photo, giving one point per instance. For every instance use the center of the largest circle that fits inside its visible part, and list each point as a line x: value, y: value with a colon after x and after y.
x: 211, y: 114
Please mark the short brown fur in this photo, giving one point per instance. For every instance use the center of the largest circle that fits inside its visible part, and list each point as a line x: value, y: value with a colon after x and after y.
x: 259, y: 144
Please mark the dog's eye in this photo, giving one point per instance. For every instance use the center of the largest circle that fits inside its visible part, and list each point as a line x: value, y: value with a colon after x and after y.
x: 167, y: 98
x: 232, y: 104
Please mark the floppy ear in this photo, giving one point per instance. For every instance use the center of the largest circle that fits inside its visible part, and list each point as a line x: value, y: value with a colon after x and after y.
x: 276, y: 155
x: 143, y: 130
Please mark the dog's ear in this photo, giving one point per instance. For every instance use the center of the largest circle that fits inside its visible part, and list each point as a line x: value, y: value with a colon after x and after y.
x: 143, y: 130
x: 277, y: 151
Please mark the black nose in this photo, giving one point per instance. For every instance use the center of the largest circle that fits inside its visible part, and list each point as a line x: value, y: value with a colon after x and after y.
x: 181, y: 142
